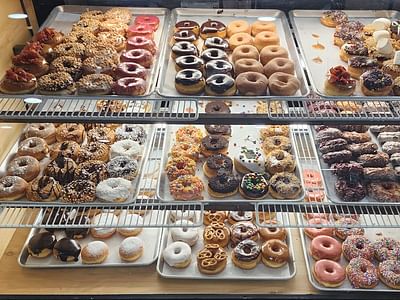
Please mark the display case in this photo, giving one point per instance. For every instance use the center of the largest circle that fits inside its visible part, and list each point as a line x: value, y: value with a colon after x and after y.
x: 219, y: 135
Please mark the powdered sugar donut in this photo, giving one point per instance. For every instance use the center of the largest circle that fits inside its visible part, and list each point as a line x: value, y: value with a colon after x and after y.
x: 104, y: 219
x: 131, y: 248
x: 94, y: 253
x: 128, y: 148
x: 127, y: 218
x: 114, y: 190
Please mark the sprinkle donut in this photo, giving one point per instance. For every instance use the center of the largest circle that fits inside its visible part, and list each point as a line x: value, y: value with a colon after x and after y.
x: 357, y: 246
x: 362, y: 273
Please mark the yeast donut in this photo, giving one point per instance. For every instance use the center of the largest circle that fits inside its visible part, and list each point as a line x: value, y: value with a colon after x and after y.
x: 251, y: 83
x: 241, y: 231
x: 266, y: 38
x: 41, y: 245
x: 70, y: 132
x: 248, y: 65
x: 239, y: 216
x: 239, y: 39
x: 342, y: 232
x: 186, y: 234
x: 95, y: 252
x: 102, y: 219
x: 362, y: 273
x: 186, y: 149
x: 79, y: 191
x: 187, y: 25
x: 141, y: 42
x: 26, y: 167
x: 329, y: 273
x: 189, y: 82
x: 238, y: 26
x: 135, y: 222
x: 128, y: 148
x: 185, y: 36
x: 281, y: 84
x: 275, y: 253
x: 271, y: 233
x: 131, y: 249
x: 279, y: 161
x: 130, y: 86
x: 389, y: 274
x: 279, y: 64
x: 245, y: 51
x: 61, y: 169
x: 357, y: 246
x: 189, y: 62
x: 268, y: 53
x: 325, y: 247
x: 67, y: 250
x: 320, y: 230
x: 220, y: 85
x: 259, y: 26
x: 183, y: 48
x: 43, y: 189
x: 212, y: 28
x: 35, y: 147
x: 216, y: 42
x: 142, y: 57
x: 46, y: 131
x: 149, y: 20
x: 12, y: 188
x: 130, y: 69
x: 246, y: 254
x: 213, y: 54
x: 218, y: 67
x: 187, y: 187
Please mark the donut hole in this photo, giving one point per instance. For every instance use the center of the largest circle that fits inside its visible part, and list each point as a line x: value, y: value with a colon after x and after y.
x: 245, y: 50
x: 329, y: 270
x: 67, y: 48
x: 132, y: 68
x: 240, y: 39
x: 67, y: 64
x: 218, y: 80
x: 177, y: 250
x: 275, y: 248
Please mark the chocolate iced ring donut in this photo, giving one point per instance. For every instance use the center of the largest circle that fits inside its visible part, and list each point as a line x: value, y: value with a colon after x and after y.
x: 93, y: 170
x: 213, y: 54
x: 279, y: 64
x: 252, y: 84
x: 268, y: 53
x: 188, y: 25
x: 217, y: 162
x: 220, y: 85
x: 217, y: 107
x: 216, y: 43
x: 79, y: 191
x: 223, y: 185
x: 184, y: 36
x: 212, y: 28
x: 183, y: 48
x: 281, y: 84
x: 218, y: 67
x: 246, y: 254
x: 189, y: 62
x: 189, y: 82
x: 213, y: 144
x: 69, y: 49
x: 245, y: 51
x: 62, y: 169
x: 241, y: 231
x: 248, y: 65
x: 219, y: 129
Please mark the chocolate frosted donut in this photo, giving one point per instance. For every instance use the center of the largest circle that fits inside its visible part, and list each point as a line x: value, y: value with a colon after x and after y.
x: 218, y: 67
x: 93, y: 170
x: 337, y: 156
x: 224, y: 183
x: 184, y: 36
x: 251, y: 84
x: 219, y: 129
x: 219, y: 161
x: 214, y: 142
x: 41, y: 243
x: 220, y: 85
x: 212, y: 28
x: 214, y: 54
x: 216, y: 43
x: 188, y: 25
x: 189, y: 62
x: 279, y: 64
x: 268, y: 53
x: 327, y: 134
x: 247, y: 250
x: 184, y: 48
x: 350, y: 190
x: 79, y: 191
x: 245, y: 51
x: 61, y: 169
x: 217, y: 107
x: 248, y: 65
x: 67, y: 249
x: 377, y: 160
x: 363, y: 148
x: 347, y: 170
x: 332, y: 145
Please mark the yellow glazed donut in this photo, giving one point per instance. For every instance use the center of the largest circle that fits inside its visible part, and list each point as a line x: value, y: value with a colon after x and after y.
x: 237, y: 27
x: 239, y: 39
x: 260, y: 26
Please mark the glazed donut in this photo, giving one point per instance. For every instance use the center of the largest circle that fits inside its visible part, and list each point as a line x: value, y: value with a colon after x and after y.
x: 313, y: 232
x: 69, y: 49
x: 268, y: 53
x: 212, y: 28
x: 279, y: 161
x: 189, y: 82
x: 238, y: 26
x: 218, y: 66
x: 186, y: 233
x: 130, y: 86
x: 188, y: 25
x: 69, y: 149
x: 183, y: 49
x: 79, y: 191
x: 34, y: 146
x: 178, y: 166
x: 99, y: 64
x: 213, y: 54
x: 239, y: 216
x: 134, y: 220
x: 26, y: 167
x: 189, y: 62
x: 272, y: 233
x: 259, y: 26
x: 70, y: 132
x: 325, y: 247
x: 141, y: 42
x: 342, y: 232
x: 58, y: 83
x: 187, y: 187
x: 279, y: 64
x: 186, y: 149
x: 123, y: 166
x: 245, y: 51
x: 130, y: 69
x: 329, y: 273
x: 214, y: 144
x: 211, y: 216
x: 185, y: 36
x: 246, y: 254
x: 386, y: 249
x: 12, y: 188
x: 220, y: 85
x: 94, y: 151
x: 144, y: 30
x: 177, y: 255
x: 131, y: 249
x: 215, y: 163
x: 362, y: 273
x: 41, y: 244
x: 281, y: 84
x: 312, y: 178
x: 276, y: 143
x: 152, y: 21
x: 142, y: 57
x: 69, y: 64
x: 275, y: 253
x: 216, y: 43
x: 274, y: 130
x: 61, y: 169
x: 116, y: 40
x: 127, y: 148
x: 241, y: 231
x: 93, y: 170
x: 248, y: 65
x: 211, y: 259
x: 239, y: 39
x: 189, y: 134
x: 284, y: 185
x: 217, y: 107
x: 216, y: 233
x: 95, y: 84
x: 43, y: 189
x: 114, y: 190
x: 357, y: 246
x: 389, y: 273
x: 102, y: 219
x: 254, y: 186
x: 266, y: 38
x: 46, y: 131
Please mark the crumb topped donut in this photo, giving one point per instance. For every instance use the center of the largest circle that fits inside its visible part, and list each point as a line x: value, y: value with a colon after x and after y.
x: 79, y: 191
x: 58, y: 83
x: 95, y: 84
x: 70, y: 64
x: 94, y: 151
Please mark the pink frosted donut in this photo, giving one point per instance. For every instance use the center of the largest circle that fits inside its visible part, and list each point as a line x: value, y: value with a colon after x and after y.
x: 316, y: 231
x: 141, y: 30
x: 309, y: 216
x: 140, y: 56
x: 325, y: 247
x: 152, y: 21
x: 357, y: 246
x: 329, y: 273
x: 141, y: 42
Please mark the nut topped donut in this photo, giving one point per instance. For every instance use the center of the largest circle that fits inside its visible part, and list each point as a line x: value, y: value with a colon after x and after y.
x: 58, y: 83
x: 93, y: 170
x: 79, y: 191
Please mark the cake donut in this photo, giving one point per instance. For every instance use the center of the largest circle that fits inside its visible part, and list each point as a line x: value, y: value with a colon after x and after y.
x: 114, y: 190
x: 276, y: 143
x: 177, y: 255
x: 179, y: 166
x: 329, y: 273
x: 282, y: 84
x: 211, y: 259
x: 357, y: 246
x: 246, y: 254
x: 62, y: 169
x: 94, y: 151
x: 46, y: 131
x: 79, y: 191
x: 388, y: 272
x: 187, y: 25
x: 189, y: 62
x: 252, y: 84
x: 279, y: 64
x: 269, y: 53
x: 187, y: 188
x: 237, y: 26
x: 325, y: 247
x: 124, y: 167
x: 185, y: 36
x: 216, y: 43
x: 70, y: 132
x: 245, y: 51
x: 223, y: 185
x: 218, y: 66
x: 266, y: 38
x: 362, y: 273
x: 212, y: 28
x: 189, y: 82
x: 247, y: 65
x: 131, y: 132
x: 43, y: 189
x: 241, y: 231
x: 189, y: 133
x: 259, y: 26
x: 214, y: 144
x: 186, y: 233
x: 279, y: 161
x: 239, y: 39
x: 386, y: 248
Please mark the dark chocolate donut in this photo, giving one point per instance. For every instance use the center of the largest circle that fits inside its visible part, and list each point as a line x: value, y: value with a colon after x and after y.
x: 67, y: 249
x: 217, y: 43
x: 214, y: 142
x: 218, y: 129
x: 219, y: 161
x: 350, y: 190
x: 217, y: 107
x: 347, y: 170
x: 41, y: 241
x: 184, y: 48
x: 247, y: 250
x: 184, y: 36
x: 213, y: 54
x: 78, y: 232
x: 255, y: 185
x: 223, y: 183
x: 218, y: 66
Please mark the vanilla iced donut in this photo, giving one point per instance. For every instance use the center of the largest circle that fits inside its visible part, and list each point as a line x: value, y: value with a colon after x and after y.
x: 128, y: 148
x: 249, y: 160
x: 131, y: 249
x: 188, y: 235
x: 129, y: 219
x: 177, y: 215
x: 114, y: 190
x: 177, y: 255
x: 104, y: 219
x: 94, y: 253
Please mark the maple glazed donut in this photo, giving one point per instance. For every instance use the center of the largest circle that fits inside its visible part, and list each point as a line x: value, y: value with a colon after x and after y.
x: 275, y: 253
x: 26, y: 167
x: 268, y: 53
x: 238, y: 26
x: 245, y: 51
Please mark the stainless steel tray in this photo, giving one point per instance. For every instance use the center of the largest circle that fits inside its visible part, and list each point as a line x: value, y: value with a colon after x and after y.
x: 150, y: 236
x: 328, y: 176
x: 62, y: 17
x: 306, y: 23
x: 166, y: 85
x: 241, y: 135
x: 261, y: 272
x: 45, y: 161
x: 370, y: 233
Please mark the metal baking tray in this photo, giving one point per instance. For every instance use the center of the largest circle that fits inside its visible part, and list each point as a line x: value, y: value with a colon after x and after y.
x: 328, y: 176
x: 241, y: 135
x: 308, y: 31
x: 261, y: 272
x: 166, y: 84
x: 63, y: 17
x: 371, y: 233
x: 150, y: 236
x: 45, y: 161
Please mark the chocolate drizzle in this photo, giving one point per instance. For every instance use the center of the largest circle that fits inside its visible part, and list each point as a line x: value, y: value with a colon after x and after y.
x: 78, y: 233
x: 62, y: 169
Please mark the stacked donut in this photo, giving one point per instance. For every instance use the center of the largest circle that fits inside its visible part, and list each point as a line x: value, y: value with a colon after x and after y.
x: 370, y: 52
x: 74, y: 164
x: 327, y: 246
x: 86, y: 61
x: 82, y: 244
x: 362, y: 168
x: 248, y: 244
x: 257, y: 60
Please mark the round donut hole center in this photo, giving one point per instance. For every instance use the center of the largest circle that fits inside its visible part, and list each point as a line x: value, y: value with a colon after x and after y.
x: 214, y: 53
x: 363, y: 269
x: 220, y: 65
x: 245, y: 50
x: 32, y: 144
x: 286, y: 180
x: 273, y: 229
x: 22, y: 163
x: 186, y: 24
x: 275, y: 248
x: 190, y: 60
x: 243, y: 229
x: 252, y: 79
x: 360, y: 246
x: 70, y: 129
x: 273, y: 50
x: 240, y: 213
x: 213, y: 24
x: 177, y: 251
x: 326, y: 245
x: 132, y: 68
x: 185, y: 34
x: 218, y: 80
x: 41, y: 127
x: 387, y: 185
x: 281, y: 63
x: 67, y: 64
x: 277, y: 142
x: 329, y: 270
x: 247, y: 250
x: 185, y: 229
x: 67, y: 48
x: 185, y: 46
x: 240, y: 39
x: 249, y: 63
x: 8, y: 184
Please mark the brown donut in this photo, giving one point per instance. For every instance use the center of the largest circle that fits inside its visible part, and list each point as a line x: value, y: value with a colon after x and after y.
x: 281, y: 84
x: 33, y: 146
x: 239, y: 39
x: 12, y: 188
x: 270, y: 52
x: 252, y: 84
x: 248, y: 65
x: 70, y: 132
x: 26, y: 167
x: 245, y: 51
x: 279, y: 64
x: 266, y: 38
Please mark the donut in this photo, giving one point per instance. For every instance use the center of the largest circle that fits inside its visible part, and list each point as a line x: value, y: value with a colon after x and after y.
x: 220, y: 85
x: 116, y: 40
x: 357, y: 246
x: 239, y: 216
x: 389, y: 273
x: 329, y: 273
x: 268, y: 53
x: 131, y: 249
x: 61, y: 169
x: 216, y: 43
x: 284, y: 185
x: 237, y: 26
x: 127, y: 148
x: 78, y: 232
x: 179, y: 166
x: 49, y: 36
x: 339, y: 82
x: 46, y: 131
x: 223, y: 185
x: 245, y: 51
x: 282, y: 84
x: 248, y: 65
x: 312, y: 178
x: 352, y: 49
x: 103, y: 219
x: 41, y: 244
x: 274, y: 130
x: 212, y: 259
x: 94, y: 151
x: 95, y: 252
x: 142, y: 57
x: 259, y: 26
x: 189, y: 62
x: 254, y: 186
x: 86, y: 25
x: 214, y: 144
x: 217, y: 107
x: 80, y: 36
x: 362, y: 273
x: 69, y: 49
x: 35, y: 147
x: 386, y: 249
x: 130, y: 69
x: 133, y: 220
x: 186, y: 149
x: 189, y: 82
x: 210, y: 216
x: 123, y: 166
x: 187, y: 187
x: 179, y: 215
x: 67, y: 250
x: 186, y: 233
x: 279, y: 161
x: 93, y: 170
x: 216, y: 233
x: 93, y: 14
x: 79, y: 191
x: 141, y: 42
x: 26, y: 167
x: 58, y: 83
x: 224, y: 130
x: 246, y: 254
x: 188, y: 25
x: 114, y: 190
x: 189, y: 133
x: 325, y: 247
x: 185, y: 36
x: 69, y: 64
x: 275, y: 253
x: 270, y: 233
x: 131, y: 132
x: 313, y: 232
x: 31, y: 62
x: 43, y: 189
x: 123, y: 15
x: 266, y: 38
x: 342, y: 232
x: 140, y: 30
x: 350, y: 191
x: 217, y: 162
x: 376, y: 83
x: 99, y: 64
x: 249, y: 160
x: 212, y: 28
x: 101, y: 134
x: 70, y: 132
x: 333, y: 18
x: 239, y: 39
x: 218, y: 67
x: 18, y: 81
x: 183, y: 49
x: 357, y: 65
x: 177, y: 255
x: 279, y: 64
x: 213, y: 54
x: 314, y: 195
x: 241, y: 231
x: 276, y: 143
x: 95, y: 84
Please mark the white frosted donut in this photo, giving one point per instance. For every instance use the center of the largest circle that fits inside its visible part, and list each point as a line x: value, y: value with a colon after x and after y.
x: 177, y: 254
x: 102, y: 219
x: 114, y: 190
x: 130, y: 219
x: 176, y: 215
x: 128, y: 148
x: 188, y: 235
x: 131, y: 248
